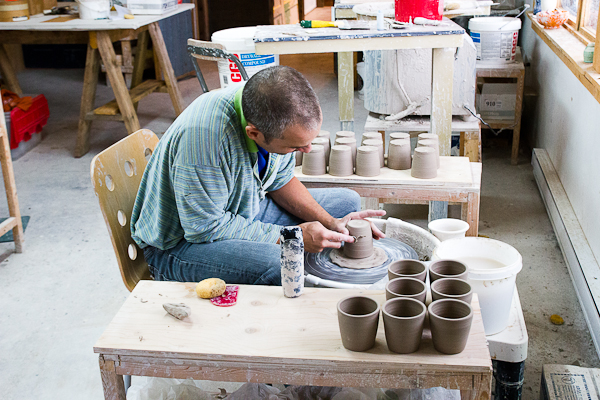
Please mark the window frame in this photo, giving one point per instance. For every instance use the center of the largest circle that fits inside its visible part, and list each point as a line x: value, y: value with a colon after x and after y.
x: 576, y: 24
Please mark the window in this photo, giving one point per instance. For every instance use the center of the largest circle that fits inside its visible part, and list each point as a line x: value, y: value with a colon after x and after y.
x: 583, y: 18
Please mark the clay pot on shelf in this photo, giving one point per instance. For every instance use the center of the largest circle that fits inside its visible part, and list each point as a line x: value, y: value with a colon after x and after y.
x: 450, y: 322
x: 399, y: 135
x: 447, y: 269
x: 363, y: 245
x: 406, y: 287
x: 451, y: 288
x: 434, y: 144
x: 326, y: 146
x: 325, y: 134
x: 340, y: 161
x: 399, y: 154
x: 347, y: 141
x: 313, y: 163
x: 367, y: 161
x: 407, y: 269
x: 370, y: 135
x: 346, y: 134
x: 403, y: 320
x: 428, y: 136
x: 358, y: 318
x: 448, y: 228
x: 424, y: 165
x: 299, y: 158
x: 379, y: 144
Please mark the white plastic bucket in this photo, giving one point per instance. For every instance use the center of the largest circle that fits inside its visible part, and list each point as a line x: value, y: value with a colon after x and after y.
x: 94, y: 9
x: 495, y: 38
x: 493, y: 267
x: 240, y: 42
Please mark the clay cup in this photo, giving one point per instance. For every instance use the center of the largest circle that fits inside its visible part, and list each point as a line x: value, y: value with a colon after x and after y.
x: 326, y: 146
x: 299, y: 158
x: 358, y: 318
x: 379, y: 144
x: 424, y: 165
x: 427, y: 135
x: 447, y: 269
x: 407, y: 269
x: 367, y: 161
x: 347, y: 141
x: 399, y: 135
x: 347, y: 134
x: 325, y: 134
x: 399, y: 154
x: 451, y: 288
x: 434, y: 144
x: 450, y: 322
x: 403, y: 320
x: 370, y: 135
x: 340, y: 161
x: 363, y: 245
x: 313, y: 163
x: 406, y: 287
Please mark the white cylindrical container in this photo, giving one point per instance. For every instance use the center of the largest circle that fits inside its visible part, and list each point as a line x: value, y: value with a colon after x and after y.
x: 94, y: 9
x: 493, y: 267
x: 495, y: 38
x: 239, y: 41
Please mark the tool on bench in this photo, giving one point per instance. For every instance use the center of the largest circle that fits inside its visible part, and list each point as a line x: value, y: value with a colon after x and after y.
x: 341, y: 24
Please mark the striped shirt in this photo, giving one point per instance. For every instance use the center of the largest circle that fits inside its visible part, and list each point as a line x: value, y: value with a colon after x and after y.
x: 202, y: 182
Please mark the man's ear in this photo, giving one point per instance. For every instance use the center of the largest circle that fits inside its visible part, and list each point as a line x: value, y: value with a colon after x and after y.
x: 252, y: 132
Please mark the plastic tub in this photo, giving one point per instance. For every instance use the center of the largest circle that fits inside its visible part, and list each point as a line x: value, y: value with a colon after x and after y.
x: 94, y: 9
x: 493, y: 267
x: 239, y: 41
x: 408, y: 10
x: 495, y: 38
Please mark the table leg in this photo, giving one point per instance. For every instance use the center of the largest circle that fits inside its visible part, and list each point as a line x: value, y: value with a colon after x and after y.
x: 114, y: 389
x: 470, y: 145
x: 127, y: 60
x: 346, y: 90
x: 90, y: 81
x: 139, y: 61
x: 8, y: 72
x: 437, y: 210
x: 514, y: 159
x: 165, y: 65
x: 372, y: 203
x: 10, y: 186
x: 482, y: 389
x: 509, y: 379
x: 470, y: 214
x: 107, y: 52
x: 441, y: 96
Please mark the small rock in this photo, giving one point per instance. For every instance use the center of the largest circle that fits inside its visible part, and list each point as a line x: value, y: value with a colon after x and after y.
x: 178, y: 310
x: 556, y: 319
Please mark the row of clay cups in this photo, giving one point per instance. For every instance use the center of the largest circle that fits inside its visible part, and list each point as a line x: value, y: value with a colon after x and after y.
x: 322, y: 135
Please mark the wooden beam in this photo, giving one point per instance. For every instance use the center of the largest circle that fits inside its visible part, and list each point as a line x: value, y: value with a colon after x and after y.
x: 90, y: 82
x: 8, y: 72
x: 11, y: 188
x: 44, y: 37
x: 597, y: 46
x: 136, y: 94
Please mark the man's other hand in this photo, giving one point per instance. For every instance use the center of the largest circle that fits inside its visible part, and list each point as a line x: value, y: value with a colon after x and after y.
x: 317, y: 237
x: 339, y: 225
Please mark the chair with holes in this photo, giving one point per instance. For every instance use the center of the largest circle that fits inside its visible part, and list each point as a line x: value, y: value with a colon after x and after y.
x: 116, y: 174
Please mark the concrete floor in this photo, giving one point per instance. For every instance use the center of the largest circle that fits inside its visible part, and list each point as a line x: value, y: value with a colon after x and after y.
x: 60, y: 294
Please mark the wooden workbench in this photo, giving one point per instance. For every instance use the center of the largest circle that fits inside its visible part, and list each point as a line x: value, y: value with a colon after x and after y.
x: 266, y: 337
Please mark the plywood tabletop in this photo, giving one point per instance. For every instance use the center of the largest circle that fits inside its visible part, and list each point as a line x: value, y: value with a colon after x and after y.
x: 264, y: 326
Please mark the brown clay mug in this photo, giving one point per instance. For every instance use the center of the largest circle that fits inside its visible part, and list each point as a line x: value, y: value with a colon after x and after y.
x: 403, y: 320
x: 358, y: 318
x: 450, y: 322
x: 451, y: 288
x: 406, y: 287
x: 447, y: 269
x: 407, y: 269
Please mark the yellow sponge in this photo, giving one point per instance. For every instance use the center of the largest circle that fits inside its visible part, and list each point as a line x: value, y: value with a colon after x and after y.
x: 211, y: 287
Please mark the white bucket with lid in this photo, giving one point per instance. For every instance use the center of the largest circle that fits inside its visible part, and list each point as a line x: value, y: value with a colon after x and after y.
x: 493, y: 266
x: 495, y: 38
x: 94, y: 9
x: 239, y: 41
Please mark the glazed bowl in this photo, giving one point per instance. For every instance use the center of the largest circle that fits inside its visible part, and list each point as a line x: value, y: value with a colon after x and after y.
x: 552, y: 19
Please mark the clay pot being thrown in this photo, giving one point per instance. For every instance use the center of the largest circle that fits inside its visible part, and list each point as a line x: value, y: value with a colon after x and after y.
x: 346, y: 134
x: 403, y: 320
x: 379, y: 144
x: 340, y: 161
x: 424, y: 165
x: 313, y: 163
x: 447, y: 269
x: 347, y: 141
x: 358, y: 318
x: 299, y: 158
x: 326, y: 146
x: 406, y: 287
x: 407, y: 269
x: 450, y: 323
x: 367, y: 161
x: 363, y: 244
x: 451, y: 288
x: 399, y: 154
x: 399, y: 135
x: 434, y: 144
x: 370, y: 135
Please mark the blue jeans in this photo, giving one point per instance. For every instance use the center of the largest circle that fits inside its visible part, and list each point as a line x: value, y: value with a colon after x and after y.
x: 241, y: 261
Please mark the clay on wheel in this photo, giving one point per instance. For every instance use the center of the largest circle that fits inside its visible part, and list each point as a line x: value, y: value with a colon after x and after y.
x: 376, y: 259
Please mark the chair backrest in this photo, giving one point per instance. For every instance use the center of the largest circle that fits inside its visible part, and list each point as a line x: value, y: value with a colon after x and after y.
x: 116, y: 174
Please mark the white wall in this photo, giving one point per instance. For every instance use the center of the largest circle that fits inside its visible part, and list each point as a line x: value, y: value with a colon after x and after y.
x: 564, y: 119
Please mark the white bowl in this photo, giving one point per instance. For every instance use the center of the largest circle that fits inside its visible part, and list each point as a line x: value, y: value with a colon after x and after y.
x: 448, y: 228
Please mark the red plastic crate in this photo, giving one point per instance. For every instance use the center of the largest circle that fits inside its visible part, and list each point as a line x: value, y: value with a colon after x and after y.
x: 23, y: 124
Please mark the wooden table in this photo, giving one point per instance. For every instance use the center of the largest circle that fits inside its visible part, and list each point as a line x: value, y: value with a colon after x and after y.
x: 266, y: 337
x: 99, y: 35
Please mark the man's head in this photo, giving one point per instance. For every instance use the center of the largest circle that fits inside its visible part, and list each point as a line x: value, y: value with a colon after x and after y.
x: 282, y: 110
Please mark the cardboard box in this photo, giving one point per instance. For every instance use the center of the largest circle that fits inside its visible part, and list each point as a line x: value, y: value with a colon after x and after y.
x: 151, y: 6
x: 567, y: 382
x: 497, y: 101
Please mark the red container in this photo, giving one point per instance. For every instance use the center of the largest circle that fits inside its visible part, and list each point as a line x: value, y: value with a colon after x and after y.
x: 23, y: 124
x: 408, y: 10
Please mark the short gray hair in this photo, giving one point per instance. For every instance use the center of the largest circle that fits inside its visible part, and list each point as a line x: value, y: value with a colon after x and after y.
x: 277, y: 98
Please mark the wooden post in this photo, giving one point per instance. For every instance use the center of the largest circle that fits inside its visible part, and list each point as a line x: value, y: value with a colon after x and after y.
x: 10, y: 186
x: 441, y: 96
x: 597, y: 46
x: 127, y: 60
x: 139, y: 61
x: 514, y: 159
x: 346, y: 90
x: 90, y: 81
x: 114, y: 388
x: 8, y: 72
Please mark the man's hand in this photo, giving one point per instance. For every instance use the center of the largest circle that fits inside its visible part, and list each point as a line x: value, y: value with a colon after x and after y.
x: 339, y: 225
x: 317, y: 237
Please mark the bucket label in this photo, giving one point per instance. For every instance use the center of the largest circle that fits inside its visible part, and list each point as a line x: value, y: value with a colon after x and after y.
x: 495, y: 46
x: 230, y: 74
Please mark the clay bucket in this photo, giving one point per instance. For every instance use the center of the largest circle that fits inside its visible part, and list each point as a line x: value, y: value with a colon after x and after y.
x: 370, y: 135
x: 358, y: 318
x: 450, y: 323
x: 424, y: 165
x: 346, y: 134
x: 313, y: 163
x: 407, y: 269
x: 340, y: 161
x: 379, y: 144
x: 326, y: 146
x: 399, y: 135
x: 347, y: 141
x: 434, y: 144
x: 367, y: 161
x: 406, y: 287
x: 447, y: 269
x: 399, y: 154
x: 299, y: 158
x: 403, y: 320
x: 363, y: 245
x: 451, y: 288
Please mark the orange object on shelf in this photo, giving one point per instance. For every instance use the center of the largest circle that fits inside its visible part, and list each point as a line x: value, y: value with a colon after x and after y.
x: 11, y: 100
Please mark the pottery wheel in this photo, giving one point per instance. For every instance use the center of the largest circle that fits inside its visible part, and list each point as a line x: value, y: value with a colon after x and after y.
x: 374, y: 260
x: 320, y: 265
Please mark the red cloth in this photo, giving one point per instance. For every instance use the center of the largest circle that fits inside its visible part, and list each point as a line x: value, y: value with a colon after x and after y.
x: 11, y: 100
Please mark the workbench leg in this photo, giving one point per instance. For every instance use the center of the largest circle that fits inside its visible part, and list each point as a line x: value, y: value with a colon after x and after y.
x: 113, y: 386
x: 437, y: 210
x: 470, y: 214
x: 165, y: 65
x: 90, y: 81
x: 139, y: 61
x: 10, y: 186
x: 482, y: 388
x: 8, y: 72
x: 127, y: 60
x: 441, y: 96
x: 509, y: 379
x: 514, y: 159
x: 371, y: 203
x: 107, y: 52
x: 346, y: 90
x: 470, y: 145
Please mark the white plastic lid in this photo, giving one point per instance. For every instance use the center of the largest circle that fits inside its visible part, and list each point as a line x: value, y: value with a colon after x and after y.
x: 494, y: 24
x: 236, y: 39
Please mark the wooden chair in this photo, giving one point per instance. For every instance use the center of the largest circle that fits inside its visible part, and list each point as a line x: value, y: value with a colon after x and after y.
x: 116, y: 174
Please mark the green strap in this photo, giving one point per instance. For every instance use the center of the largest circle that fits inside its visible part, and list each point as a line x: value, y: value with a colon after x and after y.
x: 237, y: 102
